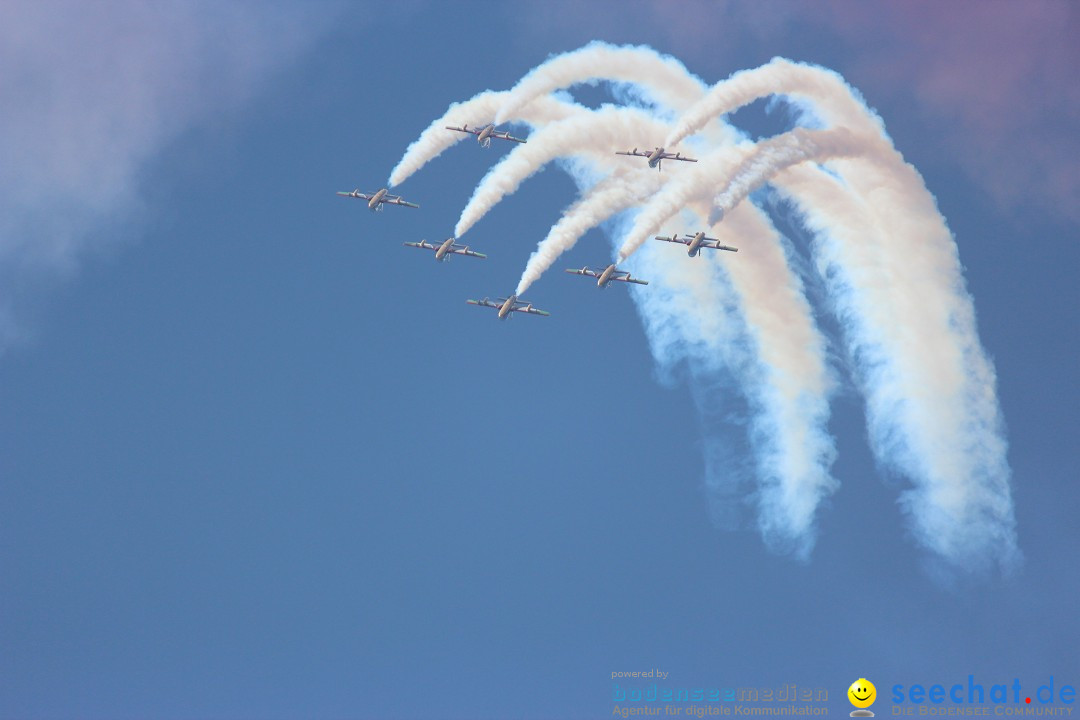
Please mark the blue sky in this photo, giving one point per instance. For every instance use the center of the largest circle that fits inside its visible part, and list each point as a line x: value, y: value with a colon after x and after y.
x: 259, y: 460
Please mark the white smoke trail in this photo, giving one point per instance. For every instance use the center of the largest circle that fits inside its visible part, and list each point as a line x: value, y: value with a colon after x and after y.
x: 772, y: 156
x: 676, y: 328
x: 793, y: 447
x: 745, y: 317
x: 614, y: 194
x: 833, y: 99
x: 710, y: 350
x: 790, y: 437
x: 588, y: 133
x: 774, y: 348
x: 692, y: 184
x: 932, y: 411
x: 930, y: 389
x: 760, y: 163
x: 477, y: 112
x: 739, y: 171
x: 932, y: 408
x: 910, y: 328
x: 663, y: 77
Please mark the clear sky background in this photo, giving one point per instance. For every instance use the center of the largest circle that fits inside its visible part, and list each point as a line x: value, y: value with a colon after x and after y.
x: 259, y: 460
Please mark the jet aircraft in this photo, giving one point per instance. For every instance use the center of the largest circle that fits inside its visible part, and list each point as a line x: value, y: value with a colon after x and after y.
x: 484, y: 134
x: 657, y: 156
x: 509, y: 305
x: 607, y: 275
x: 696, y: 242
x: 377, y: 200
x: 446, y: 248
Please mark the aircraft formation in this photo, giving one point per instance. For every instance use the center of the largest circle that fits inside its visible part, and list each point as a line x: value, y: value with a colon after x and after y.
x: 605, y: 275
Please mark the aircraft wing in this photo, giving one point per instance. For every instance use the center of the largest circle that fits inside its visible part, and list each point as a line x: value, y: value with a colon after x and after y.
x: 675, y: 239
x: 396, y: 200
x: 525, y: 308
x: 715, y: 245
x: 623, y: 276
x: 583, y: 271
x: 506, y: 136
x: 485, y: 303
x: 676, y: 156
x: 464, y: 129
x: 464, y: 250
x: 355, y: 194
x: 422, y: 244
x: 519, y: 306
x: 635, y: 152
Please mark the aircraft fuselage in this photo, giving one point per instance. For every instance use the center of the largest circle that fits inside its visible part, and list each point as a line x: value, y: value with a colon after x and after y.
x: 695, y: 244
x: 655, y: 157
x: 443, y: 252
x: 484, y: 138
x: 507, y: 307
x: 375, y: 202
x: 605, y: 277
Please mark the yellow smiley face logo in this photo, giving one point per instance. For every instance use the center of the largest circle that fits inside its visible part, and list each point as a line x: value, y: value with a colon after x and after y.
x: 862, y: 693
